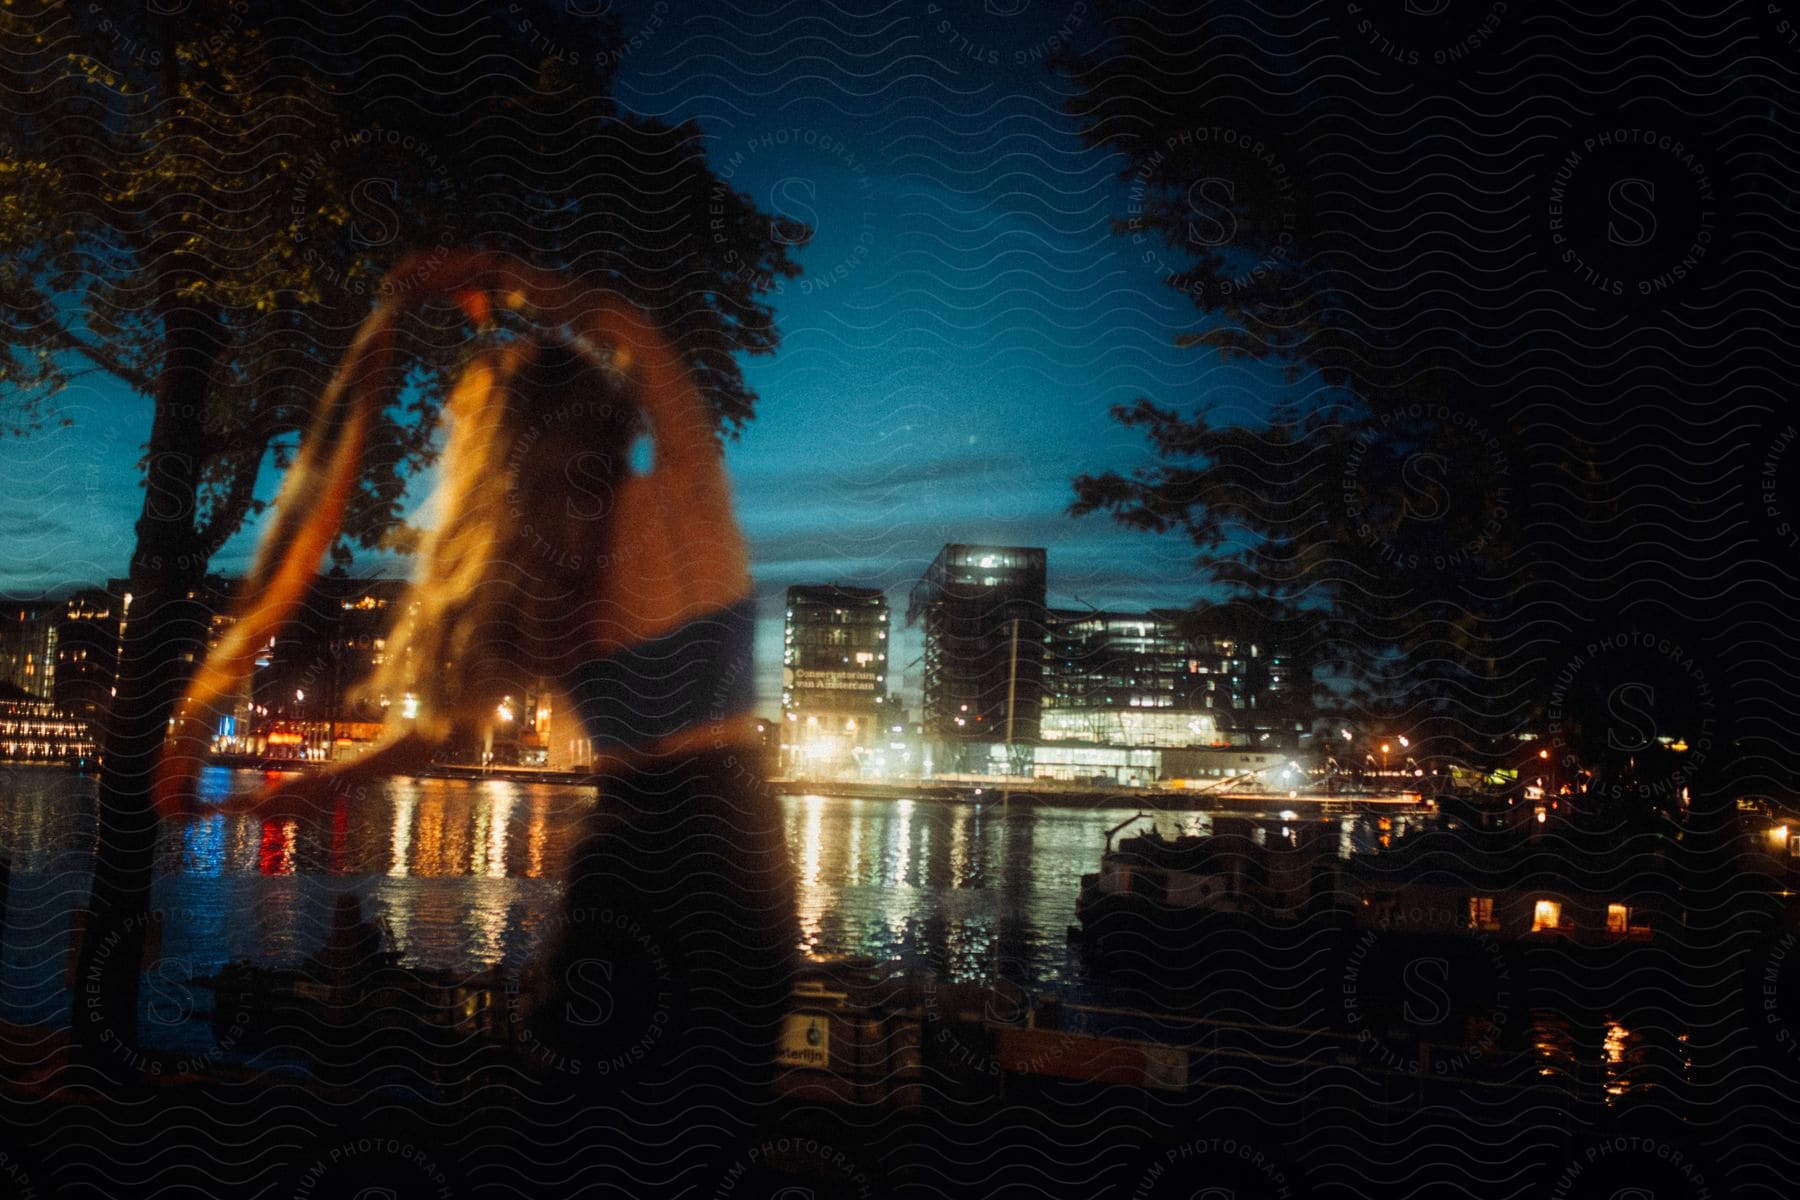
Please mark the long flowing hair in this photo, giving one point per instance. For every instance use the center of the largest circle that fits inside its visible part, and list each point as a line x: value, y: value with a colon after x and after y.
x: 537, y: 442
x: 539, y: 436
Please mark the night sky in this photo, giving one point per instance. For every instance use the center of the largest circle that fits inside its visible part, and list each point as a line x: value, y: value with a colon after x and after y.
x: 965, y: 320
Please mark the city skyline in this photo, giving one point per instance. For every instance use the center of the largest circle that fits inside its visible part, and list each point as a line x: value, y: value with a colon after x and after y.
x: 1238, y: 642
x: 899, y: 413
x: 904, y: 665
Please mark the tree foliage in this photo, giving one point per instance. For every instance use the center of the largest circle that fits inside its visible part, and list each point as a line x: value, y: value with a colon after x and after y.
x: 244, y: 173
x: 200, y: 198
x: 1438, y: 503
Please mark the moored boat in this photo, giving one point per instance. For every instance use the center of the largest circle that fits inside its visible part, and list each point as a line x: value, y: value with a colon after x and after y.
x: 1268, y: 871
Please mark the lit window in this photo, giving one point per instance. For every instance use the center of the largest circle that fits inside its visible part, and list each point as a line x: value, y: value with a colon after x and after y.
x: 1546, y: 915
x: 1481, y: 912
x: 1618, y: 918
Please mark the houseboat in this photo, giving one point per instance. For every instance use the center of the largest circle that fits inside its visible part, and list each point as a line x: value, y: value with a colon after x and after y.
x: 1246, y: 872
x: 1550, y: 911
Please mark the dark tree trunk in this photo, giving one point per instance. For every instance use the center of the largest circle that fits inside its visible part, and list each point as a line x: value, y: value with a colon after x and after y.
x: 163, y: 628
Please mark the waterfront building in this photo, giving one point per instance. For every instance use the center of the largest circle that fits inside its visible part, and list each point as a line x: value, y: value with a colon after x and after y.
x: 1233, y: 768
x: 305, y: 695
x: 834, y: 677
x: 28, y: 629
x: 87, y: 651
x: 35, y: 730
x: 982, y: 612
x: 1146, y: 679
x: 568, y: 746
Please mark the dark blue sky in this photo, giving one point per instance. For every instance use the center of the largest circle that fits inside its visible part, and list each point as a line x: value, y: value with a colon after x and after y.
x: 948, y: 360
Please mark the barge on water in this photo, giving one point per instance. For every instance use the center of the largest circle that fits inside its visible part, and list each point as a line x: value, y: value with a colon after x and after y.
x: 1171, y: 890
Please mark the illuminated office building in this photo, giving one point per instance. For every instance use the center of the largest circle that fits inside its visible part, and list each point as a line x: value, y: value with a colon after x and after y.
x: 306, y: 690
x: 28, y: 630
x: 1137, y: 679
x: 87, y: 651
x: 834, y: 675
x: 981, y: 609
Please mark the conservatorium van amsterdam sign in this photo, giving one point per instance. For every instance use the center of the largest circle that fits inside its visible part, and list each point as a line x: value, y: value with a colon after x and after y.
x: 835, y: 681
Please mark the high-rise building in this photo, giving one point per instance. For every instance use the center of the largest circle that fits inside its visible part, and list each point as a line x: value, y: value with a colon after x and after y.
x: 834, y: 674
x: 28, y: 631
x: 67, y: 651
x: 87, y: 651
x: 1137, y: 679
x: 982, y: 612
x: 306, y: 684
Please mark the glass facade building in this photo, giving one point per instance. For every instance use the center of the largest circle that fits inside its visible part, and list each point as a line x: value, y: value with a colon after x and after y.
x: 981, y: 609
x: 834, y: 675
x: 1139, y: 679
x: 28, y: 646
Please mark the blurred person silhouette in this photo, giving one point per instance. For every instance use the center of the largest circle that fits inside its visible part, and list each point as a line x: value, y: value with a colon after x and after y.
x: 554, y: 557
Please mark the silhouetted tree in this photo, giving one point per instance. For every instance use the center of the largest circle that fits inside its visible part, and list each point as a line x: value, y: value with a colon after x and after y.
x: 1484, y: 349
x: 200, y: 199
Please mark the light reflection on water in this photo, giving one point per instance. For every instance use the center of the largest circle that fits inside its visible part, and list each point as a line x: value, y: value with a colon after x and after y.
x: 467, y: 873
x: 970, y: 890
x: 464, y: 873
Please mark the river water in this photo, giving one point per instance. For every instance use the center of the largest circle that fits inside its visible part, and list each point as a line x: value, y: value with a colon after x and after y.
x: 468, y: 875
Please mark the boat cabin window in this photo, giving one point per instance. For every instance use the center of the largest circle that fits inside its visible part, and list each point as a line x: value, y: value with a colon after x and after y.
x: 1618, y: 918
x: 1481, y: 912
x: 1546, y: 914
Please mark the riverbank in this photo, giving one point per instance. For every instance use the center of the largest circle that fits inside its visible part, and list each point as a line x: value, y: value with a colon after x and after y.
x: 1053, y: 794
x: 1036, y: 792
x: 256, y: 762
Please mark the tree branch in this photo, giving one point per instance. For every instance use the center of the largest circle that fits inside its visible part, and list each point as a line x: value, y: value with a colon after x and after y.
x: 229, y: 512
x: 65, y: 339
